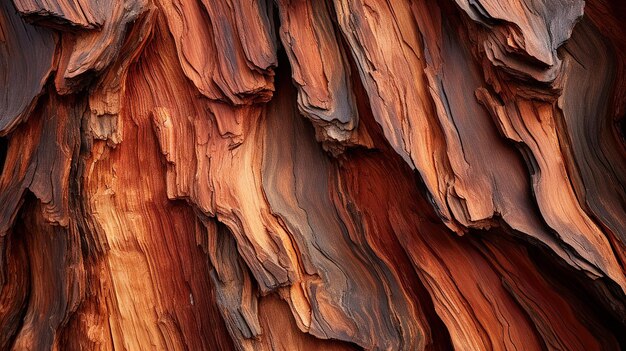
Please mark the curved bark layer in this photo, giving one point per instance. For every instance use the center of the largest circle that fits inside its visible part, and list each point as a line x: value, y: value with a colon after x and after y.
x: 303, y: 174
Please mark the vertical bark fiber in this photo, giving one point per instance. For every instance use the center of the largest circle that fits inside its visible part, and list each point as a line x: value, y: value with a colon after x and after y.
x: 312, y: 175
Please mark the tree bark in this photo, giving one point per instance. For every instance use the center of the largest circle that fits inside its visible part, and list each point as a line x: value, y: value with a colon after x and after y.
x: 312, y: 175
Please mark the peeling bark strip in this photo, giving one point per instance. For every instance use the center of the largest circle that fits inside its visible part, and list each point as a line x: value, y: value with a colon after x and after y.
x: 312, y: 175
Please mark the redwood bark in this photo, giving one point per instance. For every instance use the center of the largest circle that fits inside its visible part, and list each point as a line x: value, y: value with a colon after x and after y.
x: 312, y: 175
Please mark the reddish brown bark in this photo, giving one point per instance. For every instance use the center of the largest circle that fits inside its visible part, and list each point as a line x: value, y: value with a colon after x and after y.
x: 301, y: 175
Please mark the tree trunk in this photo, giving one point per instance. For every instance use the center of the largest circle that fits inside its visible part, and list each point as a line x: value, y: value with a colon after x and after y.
x: 312, y: 175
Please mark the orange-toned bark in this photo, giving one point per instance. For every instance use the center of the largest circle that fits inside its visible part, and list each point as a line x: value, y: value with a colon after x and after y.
x: 312, y: 175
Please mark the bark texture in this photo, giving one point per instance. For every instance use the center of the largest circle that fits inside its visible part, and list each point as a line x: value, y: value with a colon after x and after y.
x: 312, y: 175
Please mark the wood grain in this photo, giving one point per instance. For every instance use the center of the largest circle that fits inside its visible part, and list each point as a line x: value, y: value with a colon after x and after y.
x: 312, y: 175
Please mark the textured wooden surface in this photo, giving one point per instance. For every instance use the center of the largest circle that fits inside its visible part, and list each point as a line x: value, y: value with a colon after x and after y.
x: 312, y: 175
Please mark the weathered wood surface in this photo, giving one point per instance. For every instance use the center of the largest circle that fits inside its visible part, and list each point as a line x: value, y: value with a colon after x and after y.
x: 303, y: 174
